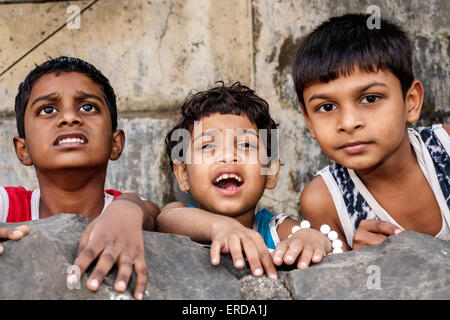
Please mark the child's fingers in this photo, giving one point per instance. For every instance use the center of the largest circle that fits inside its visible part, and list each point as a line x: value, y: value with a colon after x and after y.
x: 140, y: 268
x: 86, y: 256
x: 234, y: 245
x: 253, y: 257
x: 379, y: 226
x: 14, y: 234
x: 318, y: 255
x: 105, y: 262
x: 305, y: 257
x: 1, y: 249
x: 364, y: 238
x: 279, y: 253
x: 295, y: 247
x: 269, y: 267
x: 214, y: 252
x: 124, y: 271
x: 24, y: 228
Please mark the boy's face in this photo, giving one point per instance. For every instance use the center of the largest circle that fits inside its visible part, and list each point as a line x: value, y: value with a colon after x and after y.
x: 360, y: 120
x: 224, y: 173
x: 67, y: 124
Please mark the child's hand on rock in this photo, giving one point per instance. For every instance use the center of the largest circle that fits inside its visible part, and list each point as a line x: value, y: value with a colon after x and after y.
x: 13, y: 234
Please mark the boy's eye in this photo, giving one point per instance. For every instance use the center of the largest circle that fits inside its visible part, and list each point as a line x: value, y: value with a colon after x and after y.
x: 88, y: 107
x: 370, y: 99
x: 246, y: 145
x: 326, y: 107
x: 207, y: 146
x: 47, y: 110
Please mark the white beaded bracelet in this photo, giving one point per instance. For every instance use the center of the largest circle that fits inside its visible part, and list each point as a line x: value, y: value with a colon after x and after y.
x: 303, y: 225
x: 333, y: 236
x: 336, y: 244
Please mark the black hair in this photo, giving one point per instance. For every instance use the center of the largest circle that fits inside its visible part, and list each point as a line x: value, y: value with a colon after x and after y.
x: 342, y: 43
x: 58, y: 65
x: 236, y: 99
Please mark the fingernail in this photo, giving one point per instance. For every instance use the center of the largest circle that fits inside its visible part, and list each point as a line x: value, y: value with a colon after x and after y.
x: 1, y: 249
x: 397, y: 231
x: 140, y: 296
x: 303, y: 265
x: 214, y: 261
x: 121, y: 285
x: 17, y: 233
x: 273, y: 276
x: 239, y: 263
x: 289, y: 258
x: 258, y: 272
x: 94, y: 284
x: 277, y: 259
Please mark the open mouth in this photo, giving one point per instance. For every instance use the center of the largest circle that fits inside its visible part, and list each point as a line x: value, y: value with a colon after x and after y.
x: 72, y: 139
x: 228, y: 181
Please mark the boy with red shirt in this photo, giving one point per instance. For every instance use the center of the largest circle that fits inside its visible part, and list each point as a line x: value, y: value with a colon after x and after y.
x: 67, y: 124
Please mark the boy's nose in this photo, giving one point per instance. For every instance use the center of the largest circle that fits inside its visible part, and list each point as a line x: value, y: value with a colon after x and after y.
x: 350, y: 120
x: 70, y: 117
x: 228, y: 154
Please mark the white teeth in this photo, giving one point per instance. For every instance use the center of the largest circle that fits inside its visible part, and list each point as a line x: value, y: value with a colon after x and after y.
x: 226, y: 176
x: 71, y: 140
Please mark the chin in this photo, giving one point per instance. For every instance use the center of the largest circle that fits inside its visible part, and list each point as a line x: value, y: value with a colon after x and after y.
x: 229, y: 209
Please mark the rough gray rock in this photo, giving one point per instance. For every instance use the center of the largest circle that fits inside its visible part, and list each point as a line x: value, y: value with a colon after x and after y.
x: 408, y: 266
x: 35, y: 267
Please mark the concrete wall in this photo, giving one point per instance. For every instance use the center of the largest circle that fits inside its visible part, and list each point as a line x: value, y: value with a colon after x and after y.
x: 157, y: 52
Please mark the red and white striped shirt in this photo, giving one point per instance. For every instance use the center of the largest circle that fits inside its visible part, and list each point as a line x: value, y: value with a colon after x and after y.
x: 19, y: 205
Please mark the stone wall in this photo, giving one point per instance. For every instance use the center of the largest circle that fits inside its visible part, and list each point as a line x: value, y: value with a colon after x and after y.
x: 157, y: 52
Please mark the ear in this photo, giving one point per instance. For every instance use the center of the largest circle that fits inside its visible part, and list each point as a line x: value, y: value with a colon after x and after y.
x: 272, y: 176
x: 308, y: 121
x: 413, y: 101
x: 20, y: 146
x: 118, y: 143
x: 179, y: 169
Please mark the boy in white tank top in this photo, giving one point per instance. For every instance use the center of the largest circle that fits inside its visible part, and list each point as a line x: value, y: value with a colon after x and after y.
x: 358, y: 94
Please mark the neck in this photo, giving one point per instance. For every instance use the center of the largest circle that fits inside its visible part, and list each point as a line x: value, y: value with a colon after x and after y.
x: 71, y: 191
x: 247, y: 218
x: 394, y: 169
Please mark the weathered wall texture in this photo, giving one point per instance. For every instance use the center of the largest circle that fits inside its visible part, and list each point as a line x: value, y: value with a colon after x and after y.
x: 157, y: 52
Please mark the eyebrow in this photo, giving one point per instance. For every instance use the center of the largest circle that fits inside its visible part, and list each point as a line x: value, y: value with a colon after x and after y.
x: 358, y: 89
x: 56, y: 96
x: 82, y: 94
x: 206, y: 133
x: 52, y: 96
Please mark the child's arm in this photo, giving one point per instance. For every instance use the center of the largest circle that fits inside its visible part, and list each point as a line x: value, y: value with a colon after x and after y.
x: 318, y: 208
x: 225, y: 234
x: 308, y: 244
x: 447, y: 128
x: 115, y: 237
x: 13, y: 234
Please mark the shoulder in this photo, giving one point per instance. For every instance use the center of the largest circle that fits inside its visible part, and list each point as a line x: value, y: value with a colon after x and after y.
x: 173, y: 205
x: 316, y: 203
x: 315, y: 195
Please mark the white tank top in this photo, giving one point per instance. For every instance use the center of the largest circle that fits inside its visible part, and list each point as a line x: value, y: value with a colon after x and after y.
x: 354, y: 202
